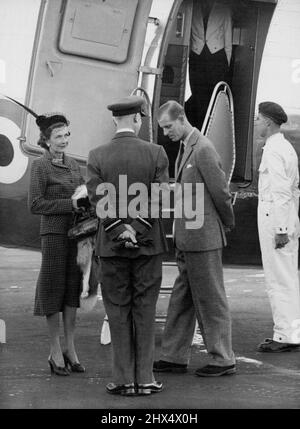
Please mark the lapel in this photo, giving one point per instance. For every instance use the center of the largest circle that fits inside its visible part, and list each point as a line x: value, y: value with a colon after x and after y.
x: 67, y: 162
x: 215, y: 19
x: 198, y: 20
x: 65, y: 165
x: 187, y: 153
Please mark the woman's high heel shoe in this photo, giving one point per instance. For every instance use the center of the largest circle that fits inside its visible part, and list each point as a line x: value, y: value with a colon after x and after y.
x: 74, y: 366
x: 58, y: 370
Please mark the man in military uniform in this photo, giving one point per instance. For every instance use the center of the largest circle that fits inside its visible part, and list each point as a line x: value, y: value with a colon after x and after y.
x: 278, y: 227
x: 130, y: 247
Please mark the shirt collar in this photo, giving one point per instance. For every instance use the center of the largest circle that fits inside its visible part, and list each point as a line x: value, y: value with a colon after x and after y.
x: 65, y: 163
x: 125, y: 130
x: 185, y: 141
x: 273, y: 137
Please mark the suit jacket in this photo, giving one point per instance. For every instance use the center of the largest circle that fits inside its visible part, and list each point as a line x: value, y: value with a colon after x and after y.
x: 50, y: 190
x: 141, y: 162
x: 219, y: 29
x: 201, y: 164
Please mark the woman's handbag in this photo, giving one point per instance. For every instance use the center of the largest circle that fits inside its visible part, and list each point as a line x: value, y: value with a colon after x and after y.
x: 85, y: 224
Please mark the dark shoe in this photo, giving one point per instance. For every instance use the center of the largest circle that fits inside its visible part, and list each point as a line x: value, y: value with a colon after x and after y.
x: 164, y: 366
x: 272, y: 346
x: 74, y: 366
x: 121, y: 389
x: 58, y: 370
x: 215, y: 371
x: 147, y: 389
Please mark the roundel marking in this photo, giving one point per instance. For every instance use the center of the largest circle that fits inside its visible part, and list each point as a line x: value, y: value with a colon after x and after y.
x: 16, y: 169
x: 6, y: 151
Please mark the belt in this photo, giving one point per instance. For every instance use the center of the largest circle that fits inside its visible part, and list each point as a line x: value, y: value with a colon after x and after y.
x: 265, y: 200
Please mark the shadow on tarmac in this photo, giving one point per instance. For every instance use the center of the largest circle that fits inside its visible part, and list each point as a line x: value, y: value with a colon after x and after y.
x: 262, y: 381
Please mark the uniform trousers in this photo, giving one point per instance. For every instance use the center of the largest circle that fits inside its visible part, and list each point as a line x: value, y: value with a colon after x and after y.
x: 198, y: 292
x: 205, y: 71
x: 130, y: 289
x: 281, y: 278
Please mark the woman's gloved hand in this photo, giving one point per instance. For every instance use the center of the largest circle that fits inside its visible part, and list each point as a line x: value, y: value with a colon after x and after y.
x: 83, y: 203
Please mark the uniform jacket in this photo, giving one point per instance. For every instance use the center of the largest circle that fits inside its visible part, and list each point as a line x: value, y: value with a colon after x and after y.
x: 201, y: 164
x: 50, y: 191
x: 278, y: 184
x: 219, y: 30
x: 142, y: 162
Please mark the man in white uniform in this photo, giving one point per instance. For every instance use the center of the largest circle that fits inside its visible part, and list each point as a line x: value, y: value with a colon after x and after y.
x: 278, y: 227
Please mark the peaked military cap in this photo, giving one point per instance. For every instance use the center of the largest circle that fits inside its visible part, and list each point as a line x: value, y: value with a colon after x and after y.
x: 128, y: 106
x: 273, y: 111
x: 48, y: 119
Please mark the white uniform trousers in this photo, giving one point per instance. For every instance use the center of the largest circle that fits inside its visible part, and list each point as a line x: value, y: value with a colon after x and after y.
x: 281, y: 278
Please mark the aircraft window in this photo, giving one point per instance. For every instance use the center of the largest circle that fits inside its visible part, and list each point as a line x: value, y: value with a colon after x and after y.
x: 99, y: 30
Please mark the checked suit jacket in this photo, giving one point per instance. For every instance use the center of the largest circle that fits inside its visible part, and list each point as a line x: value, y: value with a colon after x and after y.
x: 51, y: 188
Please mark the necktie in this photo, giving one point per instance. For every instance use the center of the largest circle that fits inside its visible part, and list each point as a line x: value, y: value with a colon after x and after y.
x: 181, y: 151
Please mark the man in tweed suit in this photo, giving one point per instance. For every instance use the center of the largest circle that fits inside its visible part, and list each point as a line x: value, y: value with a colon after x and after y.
x: 198, y: 291
x: 130, y: 247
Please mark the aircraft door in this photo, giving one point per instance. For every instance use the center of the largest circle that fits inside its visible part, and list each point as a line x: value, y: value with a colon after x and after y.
x: 174, y: 78
x: 244, y: 46
x: 218, y: 126
x: 88, y: 55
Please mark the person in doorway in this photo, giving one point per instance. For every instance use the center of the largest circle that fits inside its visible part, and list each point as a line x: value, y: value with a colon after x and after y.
x: 278, y: 227
x: 198, y: 291
x: 54, y: 178
x: 210, y: 54
x: 130, y: 246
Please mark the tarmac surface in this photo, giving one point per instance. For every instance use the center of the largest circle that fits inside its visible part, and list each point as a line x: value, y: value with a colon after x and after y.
x: 262, y: 381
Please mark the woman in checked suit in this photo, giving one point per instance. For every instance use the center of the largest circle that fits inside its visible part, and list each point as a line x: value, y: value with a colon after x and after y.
x: 54, y: 178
